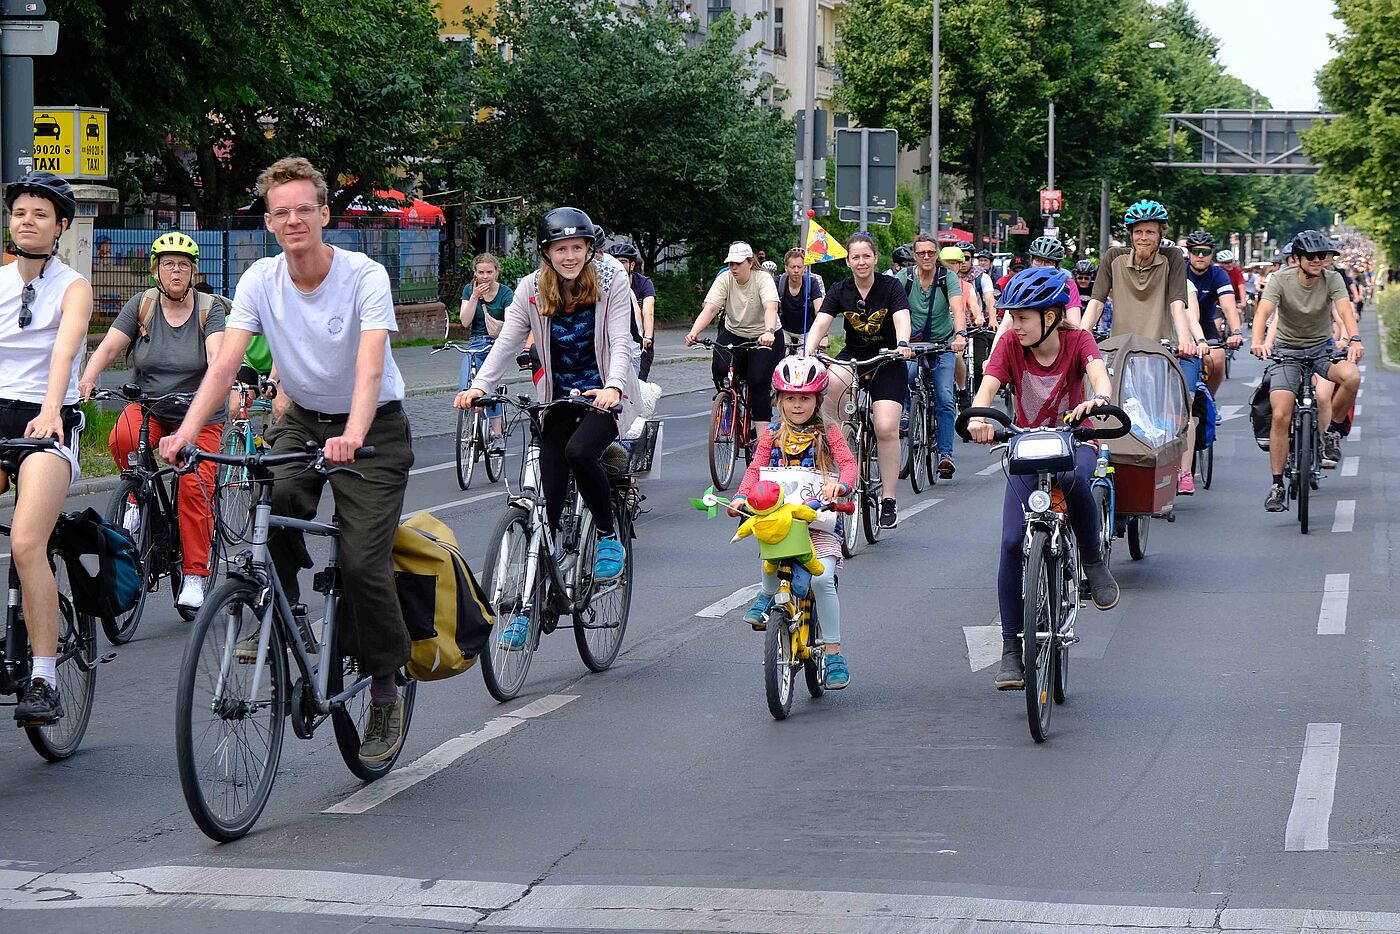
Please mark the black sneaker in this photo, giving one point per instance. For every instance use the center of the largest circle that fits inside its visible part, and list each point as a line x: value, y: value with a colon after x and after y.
x: 1011, y: 676
x: 889, y: 516
x: 1331, y: 448
x: 1102, y: 586
x: 946, y: 467
x: 1277, y: 500
x: 40, y: 705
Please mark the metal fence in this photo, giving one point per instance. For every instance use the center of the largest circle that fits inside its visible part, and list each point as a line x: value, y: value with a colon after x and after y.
x: 121, y: 256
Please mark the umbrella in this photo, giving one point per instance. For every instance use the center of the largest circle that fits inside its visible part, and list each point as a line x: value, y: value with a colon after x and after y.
x: 411, y: 210
x: 954, y: 235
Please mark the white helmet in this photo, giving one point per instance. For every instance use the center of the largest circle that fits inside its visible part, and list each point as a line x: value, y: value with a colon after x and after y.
x: 1225, y: 256
x: 801, y: 374
x: 770, y: 267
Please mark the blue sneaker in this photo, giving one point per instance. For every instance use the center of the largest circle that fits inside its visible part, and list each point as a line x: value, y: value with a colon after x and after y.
x: 837, y: 674
x: 514, y: 635
x: 757, y: 614
x: 609, y: 558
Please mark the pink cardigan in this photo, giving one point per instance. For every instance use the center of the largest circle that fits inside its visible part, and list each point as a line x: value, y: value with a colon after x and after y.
x: 835, y: 441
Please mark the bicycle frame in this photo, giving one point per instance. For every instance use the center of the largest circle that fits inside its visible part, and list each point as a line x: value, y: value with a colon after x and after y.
x: 1063, y: 547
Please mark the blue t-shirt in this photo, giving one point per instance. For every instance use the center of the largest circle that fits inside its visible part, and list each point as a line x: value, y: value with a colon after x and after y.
x: 1210, y: 285
x: 572, y: 355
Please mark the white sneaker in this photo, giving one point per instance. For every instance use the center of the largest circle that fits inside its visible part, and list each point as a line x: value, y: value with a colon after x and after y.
x: 131, y: 519
x: 192, y: 592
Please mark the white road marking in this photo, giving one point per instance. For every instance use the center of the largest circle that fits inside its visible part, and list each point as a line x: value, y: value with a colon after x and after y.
x: 917, y: 508
x: 677, y: 418
x: 1361, y: 367
x: 990, y: 469
x: 1228, y: 412
x: 1346, y: 515
x: 1254, y: 383
x: 738, y: 598
x: 1309, y: 820
x: 1332, y: 618
x: 1355, y: 433
x: 430, y: 764
x: 1350, y: 465
x: 420, y: 470
x: 983, y: 644
x: 1356, y: 410
x: 686, y: 447
x: 499, y: 493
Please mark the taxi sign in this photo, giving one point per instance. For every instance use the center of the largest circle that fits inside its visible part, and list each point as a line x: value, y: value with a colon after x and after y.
x: 92, y: 144
x: 71, y: 142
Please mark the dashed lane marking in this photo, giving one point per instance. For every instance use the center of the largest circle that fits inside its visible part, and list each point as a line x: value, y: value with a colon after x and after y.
x: 1350, y: 465
x: 983, y: 644
x: 1332, y: 618
x: 735, y: 600
x: 457, y: 502
x: 1310, y: 819
x: 1346, y: 515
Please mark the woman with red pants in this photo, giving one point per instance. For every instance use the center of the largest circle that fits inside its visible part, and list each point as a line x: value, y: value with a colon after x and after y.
x: 171, y: 333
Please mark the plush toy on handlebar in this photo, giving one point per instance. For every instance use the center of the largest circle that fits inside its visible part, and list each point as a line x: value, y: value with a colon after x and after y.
x: 781, y: 528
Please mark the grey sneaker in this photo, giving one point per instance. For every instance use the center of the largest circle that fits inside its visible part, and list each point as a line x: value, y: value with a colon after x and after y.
x: 384, y: 731
x: 1276, y: 501
x: 1011, y: 676
x: 1101, y: 585
x: 1331, y: 448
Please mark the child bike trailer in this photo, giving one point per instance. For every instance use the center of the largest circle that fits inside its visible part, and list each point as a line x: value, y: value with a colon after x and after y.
x: 1149, y: 386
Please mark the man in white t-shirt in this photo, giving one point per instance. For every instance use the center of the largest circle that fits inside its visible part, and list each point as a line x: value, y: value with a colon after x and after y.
x: 327, y: 314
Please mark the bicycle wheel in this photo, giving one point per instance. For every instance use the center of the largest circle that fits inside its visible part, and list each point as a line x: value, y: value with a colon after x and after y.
x: 349, y: 722
x: 871, y: 488
x: 504, y: 669
x: 930, y: 442
x: 1106, y: 521
x: 1137, y: 536
x: 228, y: 743
x: 812, y: 665
x: 916, y: 457
x: 1068, y: 590
x: 722, y: 434
x: 1207, y: 459
x: 234, y: 493
x: 122, y: 628
x: 1038, y: 636
x: 77, y: 672
x: 1304, y: 440
x: 850, y: 522
x: 495, y: 459
x: 779, y: 672
x: 466, y: 442
x: 600, y: 609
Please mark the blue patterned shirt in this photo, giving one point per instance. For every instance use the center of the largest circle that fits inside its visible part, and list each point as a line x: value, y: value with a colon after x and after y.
x: 571, y: 350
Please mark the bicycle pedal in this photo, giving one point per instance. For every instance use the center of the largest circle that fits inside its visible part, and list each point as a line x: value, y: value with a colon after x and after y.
x: 109, y: 657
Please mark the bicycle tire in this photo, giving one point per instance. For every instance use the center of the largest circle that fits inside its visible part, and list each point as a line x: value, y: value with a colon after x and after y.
x: 1038, y: 635
x: 1071, y: 581
x: 226, y: 617
x: 349, y: 721
x: 722, y: 443
x: 495, y: 460
x: 77, y: 672
x: 1207, y: 465
x: 504, y: 670
x: 778, y: 670
x: 916, y: 466
x: 871, y: 487
x: 1137, y: 536
x: 466, y: 443
x: 1103, y: 500
x: 816, y: 681
x: 234, y: 486
x: 599, y: 642
x: 850, y: 522
x: 930, y: 443
x: 1304, y: 439
x: 120, y: 630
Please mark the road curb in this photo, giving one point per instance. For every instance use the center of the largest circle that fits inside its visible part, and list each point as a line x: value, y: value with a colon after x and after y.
x: 81, y: 488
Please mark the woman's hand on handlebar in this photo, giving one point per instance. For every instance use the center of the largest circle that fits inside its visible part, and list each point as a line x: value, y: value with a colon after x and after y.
x: 86, y: 387
x: 172, y: 445
x: 691, y: 339
x: 833, y: 489
x: 1082, y: 410
x: 906, y: 352
x: 982, y: 431
x: 467, y: 398
x: 607, y: 398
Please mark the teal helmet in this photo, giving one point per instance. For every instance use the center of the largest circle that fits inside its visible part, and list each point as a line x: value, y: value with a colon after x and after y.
x: 1144, y: 210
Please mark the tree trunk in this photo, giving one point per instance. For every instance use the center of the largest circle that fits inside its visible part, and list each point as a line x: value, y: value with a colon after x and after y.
x: 1090, y: 204
x: 179, y: 177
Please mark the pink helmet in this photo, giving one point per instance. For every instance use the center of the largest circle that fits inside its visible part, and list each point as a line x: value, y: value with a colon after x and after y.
x: 801, y: 375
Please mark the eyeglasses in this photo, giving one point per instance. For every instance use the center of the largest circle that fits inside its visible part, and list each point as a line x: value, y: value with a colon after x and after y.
x: 1204, y: 252
x: 926, y: 253
x: 26, y: 317
x: 303, y: 212
x: 171, y: 265
x: 1314, y: 257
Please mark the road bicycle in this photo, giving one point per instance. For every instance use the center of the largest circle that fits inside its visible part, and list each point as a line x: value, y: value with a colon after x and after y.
x: 859, y: 429
x: 731, y: 419
x: 235, y: 691
x: 77, y: 636
x: 919, y: 447
x: 1302, y: 471
x: 539, y: 573
x: 474, y: 441
x: 1051, y: 579
x: 977, y: 337
x: 243, y: 434
x: 146, y: 503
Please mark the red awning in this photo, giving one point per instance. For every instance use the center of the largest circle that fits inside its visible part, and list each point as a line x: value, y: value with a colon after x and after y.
x: 954, y: 235
x: 394, y: 203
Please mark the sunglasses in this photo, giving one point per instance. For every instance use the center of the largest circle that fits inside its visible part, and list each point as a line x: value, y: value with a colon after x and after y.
x: 1314, y: 257
x: 26, y: 316
x: 1205, y: 252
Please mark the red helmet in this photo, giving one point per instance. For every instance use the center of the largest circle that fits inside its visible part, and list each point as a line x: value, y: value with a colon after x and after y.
x: 800, y: 374
x: 765, y: 495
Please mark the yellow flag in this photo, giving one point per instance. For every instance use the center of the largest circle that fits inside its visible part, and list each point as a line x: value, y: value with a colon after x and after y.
x: 820, y: 247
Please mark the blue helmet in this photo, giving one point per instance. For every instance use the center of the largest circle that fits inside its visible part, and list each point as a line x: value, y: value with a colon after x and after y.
x: 1145, y: 210
x: 1034, y: 288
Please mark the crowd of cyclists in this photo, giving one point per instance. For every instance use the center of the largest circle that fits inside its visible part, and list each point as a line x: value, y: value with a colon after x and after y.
x: 311, y: 327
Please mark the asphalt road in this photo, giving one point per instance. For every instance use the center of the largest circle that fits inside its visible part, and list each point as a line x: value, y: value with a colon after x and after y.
x: 1225, y: 762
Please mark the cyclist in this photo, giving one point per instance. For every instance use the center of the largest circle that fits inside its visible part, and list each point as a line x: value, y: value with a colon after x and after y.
x: 1048, y: 252
x: 983, y: 285
x: 800, y: 437
x: 954, y: 259
x: 644, y: 307
x: 577, y: 307
x: 1017, y: 264
x: 936, y: 313
x: 44, y: 311
x: 1307, y: 299
x: 170, y: 337
x: 749, y: 299
x: 1213, y: 291
x: 876, y: 312
x: 1047, y: 363
x: 1226, y: 260
x: 1084, y: 274
x: 903, y: 258
x: 327, y: 314
x: 794, y: 288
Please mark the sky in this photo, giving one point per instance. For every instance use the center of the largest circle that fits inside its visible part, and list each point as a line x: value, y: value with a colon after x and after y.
x: 1265, y: 44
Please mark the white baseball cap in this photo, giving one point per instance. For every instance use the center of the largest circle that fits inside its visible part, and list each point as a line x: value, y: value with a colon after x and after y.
x: 739, y: 252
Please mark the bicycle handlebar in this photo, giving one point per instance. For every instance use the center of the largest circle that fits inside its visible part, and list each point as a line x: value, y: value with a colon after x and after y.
x: 312, y: 454
x: 133, y: 393
x: 716, y: 345
x: 884, y: 356
x: 524, y: 404
x: 1080, y: 431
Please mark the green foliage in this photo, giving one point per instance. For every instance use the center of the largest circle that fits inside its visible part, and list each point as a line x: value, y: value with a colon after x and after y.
x: 515, y: 268
x: 678, y: 295
x: 1388, y: 307
x: 94, y: 457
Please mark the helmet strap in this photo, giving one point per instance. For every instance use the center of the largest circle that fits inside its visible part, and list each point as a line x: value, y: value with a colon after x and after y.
x: 178, y: 299
x: 1045, y: 332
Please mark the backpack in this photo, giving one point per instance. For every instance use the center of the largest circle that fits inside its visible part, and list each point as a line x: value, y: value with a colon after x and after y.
x: 447, y: 615
x: 1203, y: 408
x: 940, y: 281
x: 1261, y: 412
x: 150, y: 303
x: 102, y: 565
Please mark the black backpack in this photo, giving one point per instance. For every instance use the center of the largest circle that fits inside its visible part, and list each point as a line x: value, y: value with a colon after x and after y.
x: 102, y: 565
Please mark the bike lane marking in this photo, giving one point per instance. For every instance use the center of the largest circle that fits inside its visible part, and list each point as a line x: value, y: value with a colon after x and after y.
x: 456, y: 502
x: 1346, y: 515
x: 917, y: 508
x: 990, y: 469
x: 735, y: 600
x: 1311, y: 816
x: 1332, y: 618
x: 983, y: 644
x: 1350, y: 465
x: 444, y: 755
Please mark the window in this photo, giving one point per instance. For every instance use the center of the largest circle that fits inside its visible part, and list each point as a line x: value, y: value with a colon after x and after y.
x: 779, y: 39
x: 717, y: 9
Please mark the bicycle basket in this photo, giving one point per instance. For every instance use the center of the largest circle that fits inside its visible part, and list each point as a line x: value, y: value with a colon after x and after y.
x: 1036, y: 451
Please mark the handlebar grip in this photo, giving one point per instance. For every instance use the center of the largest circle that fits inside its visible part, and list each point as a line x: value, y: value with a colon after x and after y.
x: 996, y: 415
x: 1084, y: 432
x: 365, y: 453
x: 847, y: 508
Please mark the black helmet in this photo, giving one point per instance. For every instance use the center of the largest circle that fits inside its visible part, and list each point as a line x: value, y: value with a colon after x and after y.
x: 624, y: 251
x: 1200, y: 238
x: 1047, y: 248
x: 44, y: 185
x: 1312, y: 241
x: 1085, y: 268
x: 904, y: 253
x: 565, y: 224
x: 983, y: 254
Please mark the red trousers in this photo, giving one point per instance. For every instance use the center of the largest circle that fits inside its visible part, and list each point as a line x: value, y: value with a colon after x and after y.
x: 195, y: 501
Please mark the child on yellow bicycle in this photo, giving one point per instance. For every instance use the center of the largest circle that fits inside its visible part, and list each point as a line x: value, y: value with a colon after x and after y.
x: 799, y: 437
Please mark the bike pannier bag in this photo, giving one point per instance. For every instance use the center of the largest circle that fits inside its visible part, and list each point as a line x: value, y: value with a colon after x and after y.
x: 1203, y: 408
x: 1261, y: 413
x: 102, y: 566
x: 447, y: 615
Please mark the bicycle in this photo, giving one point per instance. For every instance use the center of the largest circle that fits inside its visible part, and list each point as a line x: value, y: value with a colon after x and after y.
x: 474, y: 441
x: 1106, y: 499
x: 242, y: 435
x: 235, y: 695
x: 1203, y: 457
x: 859, y: 428
x: 538, y: 573
x: 974, y: 360
x: 77, y: 637
x: 1302, y: 470
x: 1051, y: 578
x: 731, y: 428
x: 146, y: 504
x: 919, y: 449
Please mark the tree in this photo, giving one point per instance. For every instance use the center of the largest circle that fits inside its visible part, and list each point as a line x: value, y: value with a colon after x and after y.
x: 200, y: 103
x: 615, y: 112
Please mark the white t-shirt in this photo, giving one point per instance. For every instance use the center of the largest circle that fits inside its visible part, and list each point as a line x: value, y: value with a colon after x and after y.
x: 315, y: 336
x: 25, y: 354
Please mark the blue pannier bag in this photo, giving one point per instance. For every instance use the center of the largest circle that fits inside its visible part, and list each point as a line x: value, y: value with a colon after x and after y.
x: 102, y: 566
x: 1203, y: 408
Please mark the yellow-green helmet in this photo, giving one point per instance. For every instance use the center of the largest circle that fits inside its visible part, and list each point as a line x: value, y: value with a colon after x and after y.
x: 174, y: 242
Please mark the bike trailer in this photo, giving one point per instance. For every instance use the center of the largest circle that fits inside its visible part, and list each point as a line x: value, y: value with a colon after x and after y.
x: 1149, y: 386
x: 447, y: 614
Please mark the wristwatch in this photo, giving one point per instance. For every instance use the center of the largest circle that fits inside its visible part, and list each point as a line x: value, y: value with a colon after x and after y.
x: 902, y: 344
x: 1106, y: 400
x: 1238, y: 332
x: 962, y: 333
x: 1355, y: 339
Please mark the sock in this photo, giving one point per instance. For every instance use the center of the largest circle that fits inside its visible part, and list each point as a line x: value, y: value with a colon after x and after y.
x: 1278, y: 479
x: 1338, y: 427
x: 46, y: 668
x: 383, y: 690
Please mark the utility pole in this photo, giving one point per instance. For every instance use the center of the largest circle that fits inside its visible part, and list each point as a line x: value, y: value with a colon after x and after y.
x: 809, y: 134
x: 1104, y: 230
x: 933, y: 148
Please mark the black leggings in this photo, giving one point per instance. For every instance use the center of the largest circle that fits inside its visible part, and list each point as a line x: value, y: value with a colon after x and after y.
x: 575, y: 442
x: 755, y: 366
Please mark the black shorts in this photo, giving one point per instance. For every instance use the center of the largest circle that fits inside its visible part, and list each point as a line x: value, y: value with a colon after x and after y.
x: 885, y: 381
x: 15, y: 417
x: 1285, y: 374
